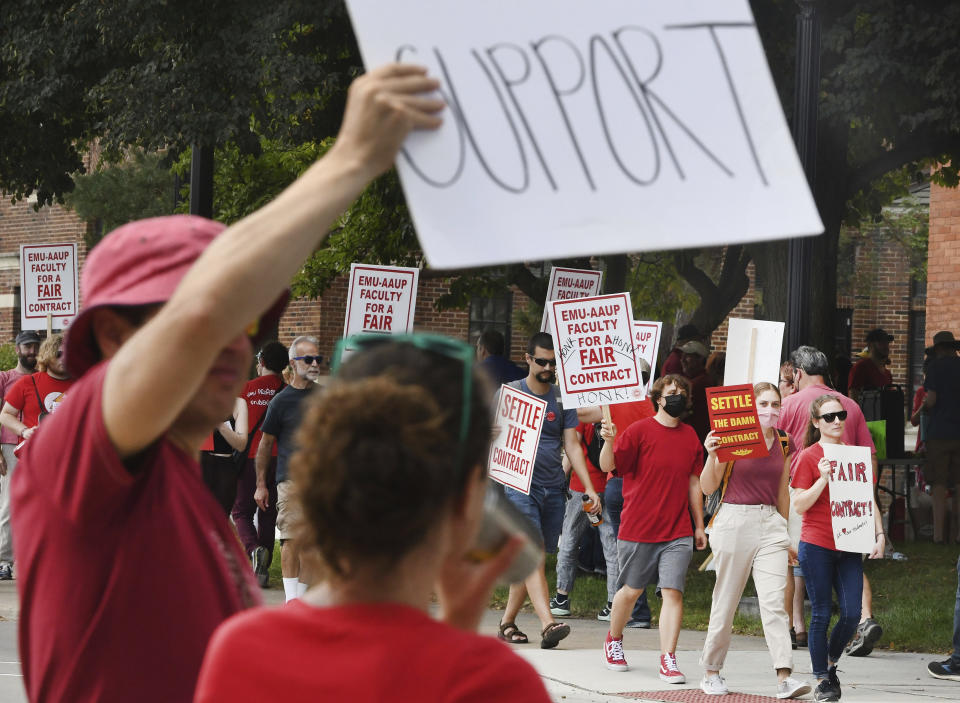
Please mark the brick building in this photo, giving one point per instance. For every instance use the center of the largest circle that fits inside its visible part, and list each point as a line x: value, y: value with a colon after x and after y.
x: 943, y: 267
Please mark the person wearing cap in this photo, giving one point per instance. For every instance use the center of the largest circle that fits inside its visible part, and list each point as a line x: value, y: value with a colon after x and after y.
x: 111, y: 503
x: 673, y: 362
x: 26, y: 345
x: 871, y: 370
x: 694, y: 361
x: 942, y: 405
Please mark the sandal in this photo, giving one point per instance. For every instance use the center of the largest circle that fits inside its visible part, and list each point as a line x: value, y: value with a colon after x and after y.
x: 552, y: 634
x: 509, y: 632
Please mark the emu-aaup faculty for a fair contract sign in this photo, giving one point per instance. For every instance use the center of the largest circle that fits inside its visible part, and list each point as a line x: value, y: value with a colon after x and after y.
x: 519, y: 416
x: 577, y: 128
x: 593, y: 339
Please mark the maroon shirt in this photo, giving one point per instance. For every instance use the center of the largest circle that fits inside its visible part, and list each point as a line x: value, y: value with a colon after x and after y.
x: 125, y: 569
x: 7, y: 379
x: 866, y: 374
x: 757, y: 481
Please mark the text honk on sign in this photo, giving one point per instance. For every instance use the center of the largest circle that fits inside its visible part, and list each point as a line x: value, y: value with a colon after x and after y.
x: 519, y: 417
x: 381, y: 299
x: 593, y: 339
x: 851, y: 497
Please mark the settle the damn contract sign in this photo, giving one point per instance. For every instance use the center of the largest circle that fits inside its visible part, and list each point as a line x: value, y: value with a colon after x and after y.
x: 583, y: 128
x: 594, y: 342
x: 567, y: 284
x: 381, y: 299
x: 520, y: 419
x: 734, y: 421
x: 851, y: 497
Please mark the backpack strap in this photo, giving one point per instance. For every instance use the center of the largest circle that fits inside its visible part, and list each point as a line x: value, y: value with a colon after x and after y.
x: 36, y: 389
x: 724, y: 482
x: 784, y: 442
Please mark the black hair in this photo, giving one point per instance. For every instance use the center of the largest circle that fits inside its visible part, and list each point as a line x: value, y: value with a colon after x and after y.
x: 540, y: 339
x: 493, y: 342
x: 273, y: 356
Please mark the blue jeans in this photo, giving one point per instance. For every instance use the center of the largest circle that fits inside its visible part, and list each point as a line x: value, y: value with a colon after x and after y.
x: 955, y: 659
x: 825, y: 571
x: 613, y: 497
x: 544, y: 508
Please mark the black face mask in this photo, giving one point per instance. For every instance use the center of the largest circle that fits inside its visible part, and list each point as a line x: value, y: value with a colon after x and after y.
x: 674, y: 405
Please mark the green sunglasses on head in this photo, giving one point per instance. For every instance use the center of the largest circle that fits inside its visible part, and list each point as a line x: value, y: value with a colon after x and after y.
x: 436, y: 343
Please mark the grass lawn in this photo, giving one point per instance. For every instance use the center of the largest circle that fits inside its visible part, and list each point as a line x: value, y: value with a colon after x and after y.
x: 913, y: 600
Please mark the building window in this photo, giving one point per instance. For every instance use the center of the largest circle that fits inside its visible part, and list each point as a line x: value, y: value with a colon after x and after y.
x: 491, y: 314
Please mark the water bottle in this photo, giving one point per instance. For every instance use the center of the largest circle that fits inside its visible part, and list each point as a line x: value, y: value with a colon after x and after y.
x: 587, y: 507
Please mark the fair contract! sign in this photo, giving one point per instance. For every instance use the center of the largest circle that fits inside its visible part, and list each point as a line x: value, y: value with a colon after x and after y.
x: 593, y: 338
x: 851, y: 497
x: 646, y: 343
x: 519, y: 418
x: 381, y: 299
x: 567, y: 284
x: 48, y: 285
x: 585, y: 128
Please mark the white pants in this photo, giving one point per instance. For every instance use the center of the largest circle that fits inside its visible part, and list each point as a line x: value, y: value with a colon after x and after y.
x: 6, y: 532
x: 745, y: 538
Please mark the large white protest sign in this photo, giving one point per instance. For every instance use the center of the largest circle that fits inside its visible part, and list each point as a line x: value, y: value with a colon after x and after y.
x: 753, y: 352
x: 381, y: 299
x: 851, y: 497
x: 48, y: 285
x: 594, y: 342
x: 566, y: 284
x: 586, y: 128
x: 519, y: 417
x: 646, y: 344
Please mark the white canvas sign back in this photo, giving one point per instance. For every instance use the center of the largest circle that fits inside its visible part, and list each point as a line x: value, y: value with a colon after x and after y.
x: 381, y: 299
x: 48, y: 285
x: 646, y: 343
x: 567, y: 284
x: 754, y: 348
x: 581, y: 129
x: 593, y: 339
x: 851, y: 497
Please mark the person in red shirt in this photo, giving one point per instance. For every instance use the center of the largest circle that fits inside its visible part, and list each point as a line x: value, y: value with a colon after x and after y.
x: 258, y: 540
x: 826, y: 569
x: 126, y: 563
x: 673, y: 364
x: 871, y: 371
x: 660, y: 460
x: 388, y: 537
x: 35, y: 396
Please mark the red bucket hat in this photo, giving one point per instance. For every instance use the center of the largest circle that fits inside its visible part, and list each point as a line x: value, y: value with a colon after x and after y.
x: 142, y: 263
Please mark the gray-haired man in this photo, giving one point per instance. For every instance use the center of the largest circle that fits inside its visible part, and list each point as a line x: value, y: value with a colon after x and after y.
x: 279, y: 426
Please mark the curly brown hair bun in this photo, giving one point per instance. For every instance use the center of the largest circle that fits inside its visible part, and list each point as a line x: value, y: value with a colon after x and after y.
x: 377, y: 454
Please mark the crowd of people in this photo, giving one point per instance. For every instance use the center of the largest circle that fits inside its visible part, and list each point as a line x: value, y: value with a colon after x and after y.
x: 132, y: 455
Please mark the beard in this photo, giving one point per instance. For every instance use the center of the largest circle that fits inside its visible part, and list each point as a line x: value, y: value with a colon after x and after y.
x: 546, y: 377
x: 28, y: 362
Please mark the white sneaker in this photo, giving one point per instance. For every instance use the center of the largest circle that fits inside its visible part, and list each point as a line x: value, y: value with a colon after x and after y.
x: 792, y: 688
x: 714, y: 685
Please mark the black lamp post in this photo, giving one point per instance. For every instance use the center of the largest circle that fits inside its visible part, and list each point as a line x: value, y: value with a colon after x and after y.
x: 805, y: 99
x: 201, y: 181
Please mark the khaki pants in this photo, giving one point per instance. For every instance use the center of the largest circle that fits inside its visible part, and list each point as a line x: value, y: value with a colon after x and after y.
x: 6, y: 531
x: 745, y: 538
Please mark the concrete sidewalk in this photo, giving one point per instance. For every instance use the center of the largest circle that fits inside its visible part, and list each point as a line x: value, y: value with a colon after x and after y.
x: 576, y: 672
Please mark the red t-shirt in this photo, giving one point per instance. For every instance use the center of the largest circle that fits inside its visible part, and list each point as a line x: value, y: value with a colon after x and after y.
x: 817, y: 524
x: 23, y: 395
x: 597, y: 477
x: 866, y: 374
x: 125, y: 569
x: 258, y: 393
x: 656, y: 463
x: 363, y: 653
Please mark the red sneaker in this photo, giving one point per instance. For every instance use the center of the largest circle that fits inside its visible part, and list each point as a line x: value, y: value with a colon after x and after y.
x: 613, y: 650
x: 669, y: 671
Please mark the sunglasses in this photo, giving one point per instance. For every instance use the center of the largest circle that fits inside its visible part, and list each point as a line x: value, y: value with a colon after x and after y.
x: 308, y: 360
x: 830, y: 417
x: 545, y: 362
x: 436, y: 343
x: 59, y: 353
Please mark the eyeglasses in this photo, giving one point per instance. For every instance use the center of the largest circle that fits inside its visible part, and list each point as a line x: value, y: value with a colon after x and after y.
x: 545, y: 362
x: 830, y: 417
x: 308, y: 360
x: 436, y: 343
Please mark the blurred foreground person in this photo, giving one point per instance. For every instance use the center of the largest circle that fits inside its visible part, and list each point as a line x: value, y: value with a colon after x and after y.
x: 386, y: 538
x: 126, y: 562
